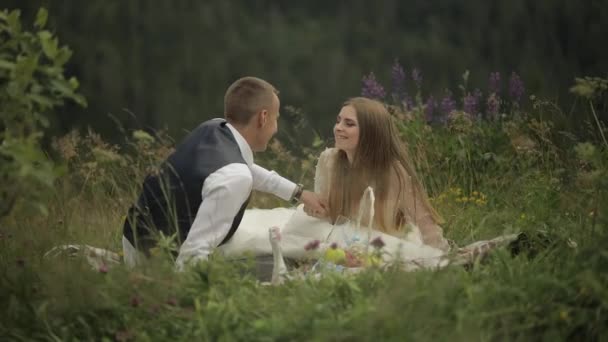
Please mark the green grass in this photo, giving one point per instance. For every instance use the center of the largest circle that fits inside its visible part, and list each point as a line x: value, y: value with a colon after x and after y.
x: 555, y: 289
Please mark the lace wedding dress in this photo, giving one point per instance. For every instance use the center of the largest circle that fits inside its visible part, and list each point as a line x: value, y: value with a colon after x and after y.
x: 298, y: 230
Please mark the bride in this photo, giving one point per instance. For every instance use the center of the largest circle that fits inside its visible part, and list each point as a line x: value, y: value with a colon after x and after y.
x: 368, y: 154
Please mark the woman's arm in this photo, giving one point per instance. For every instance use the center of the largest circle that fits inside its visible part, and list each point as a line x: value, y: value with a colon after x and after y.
x: 323, y: 172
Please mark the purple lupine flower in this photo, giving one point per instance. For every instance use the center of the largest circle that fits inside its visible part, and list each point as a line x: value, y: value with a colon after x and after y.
x: 430, y: 109
x: 516, y: 87
x: 371, y: 88
x: 417, y: 77
x: 494, y: 83
x: 447, y: 103
x: 312, y: 245
x: 492, y: 105
x: 471, y: 102
x: 377, y: 243
x: 408, y: 102
x: 398, y: 81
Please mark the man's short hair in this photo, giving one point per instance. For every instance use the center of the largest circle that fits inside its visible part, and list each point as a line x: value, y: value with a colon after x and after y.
x: 246, y: 97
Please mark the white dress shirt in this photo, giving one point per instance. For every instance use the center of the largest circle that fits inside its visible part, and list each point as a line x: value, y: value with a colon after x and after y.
x: 224, y: 192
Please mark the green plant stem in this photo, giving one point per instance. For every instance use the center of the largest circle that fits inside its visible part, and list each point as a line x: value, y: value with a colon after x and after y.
x: 597, y: 121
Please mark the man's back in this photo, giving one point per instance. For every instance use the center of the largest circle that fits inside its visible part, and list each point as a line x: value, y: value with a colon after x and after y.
x: 170, y: 199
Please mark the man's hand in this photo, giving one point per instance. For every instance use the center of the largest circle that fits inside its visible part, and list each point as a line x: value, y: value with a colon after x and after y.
x: 313, y: 205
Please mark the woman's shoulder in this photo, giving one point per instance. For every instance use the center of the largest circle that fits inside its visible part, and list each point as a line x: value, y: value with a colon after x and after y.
x: 328, y: 155
x: 330, y: 151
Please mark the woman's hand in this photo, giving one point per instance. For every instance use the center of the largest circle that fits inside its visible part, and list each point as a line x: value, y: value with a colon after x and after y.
x: 313, y: 205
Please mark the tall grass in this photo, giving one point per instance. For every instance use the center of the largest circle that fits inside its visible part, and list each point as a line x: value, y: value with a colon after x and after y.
x: 486, y: 178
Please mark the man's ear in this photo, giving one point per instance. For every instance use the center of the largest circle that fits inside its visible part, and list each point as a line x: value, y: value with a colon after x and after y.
x: 262, y: 118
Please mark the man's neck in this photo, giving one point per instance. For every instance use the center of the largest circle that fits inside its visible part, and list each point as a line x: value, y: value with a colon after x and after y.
x: 246, y: 131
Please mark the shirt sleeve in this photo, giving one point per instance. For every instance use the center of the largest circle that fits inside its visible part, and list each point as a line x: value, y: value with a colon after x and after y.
x: 271, y: 182
x: 224, y: 192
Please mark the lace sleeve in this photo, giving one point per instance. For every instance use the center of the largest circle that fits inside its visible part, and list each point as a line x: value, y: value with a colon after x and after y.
x: 323, y: 172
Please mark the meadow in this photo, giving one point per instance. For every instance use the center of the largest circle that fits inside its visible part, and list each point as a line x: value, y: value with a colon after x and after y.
x: 496, y: 162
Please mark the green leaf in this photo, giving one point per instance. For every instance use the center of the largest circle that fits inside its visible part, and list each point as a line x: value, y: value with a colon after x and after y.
x: 81, y: 100
x: 13, y: 21
x: 63, y: 87
x: 41, y: 18
x: 63, y: 56
x: 43, y: 101
x: 7, y: 65
x: 49, y: 44
x: 73, y: 83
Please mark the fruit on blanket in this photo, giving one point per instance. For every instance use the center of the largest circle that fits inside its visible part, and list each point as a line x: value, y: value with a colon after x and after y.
x: 352, y: 260
x: 335, y: 254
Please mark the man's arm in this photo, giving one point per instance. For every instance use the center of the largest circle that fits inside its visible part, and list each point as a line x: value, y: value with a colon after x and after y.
x: 224, y: 193
x: 272, y: 182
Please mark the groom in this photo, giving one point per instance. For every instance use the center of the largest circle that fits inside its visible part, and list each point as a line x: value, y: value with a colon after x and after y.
x: 203, y: 188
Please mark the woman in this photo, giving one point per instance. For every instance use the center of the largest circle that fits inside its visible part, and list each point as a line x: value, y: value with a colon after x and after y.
x: 369, y: 152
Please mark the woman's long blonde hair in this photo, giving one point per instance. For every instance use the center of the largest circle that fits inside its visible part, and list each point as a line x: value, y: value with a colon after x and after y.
x: 380, y: 150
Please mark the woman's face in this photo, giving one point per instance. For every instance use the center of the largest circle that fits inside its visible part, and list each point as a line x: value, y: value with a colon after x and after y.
x: 346, y: 130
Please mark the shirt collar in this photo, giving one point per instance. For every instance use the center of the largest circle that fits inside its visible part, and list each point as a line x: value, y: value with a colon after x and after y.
x: 243, y: 145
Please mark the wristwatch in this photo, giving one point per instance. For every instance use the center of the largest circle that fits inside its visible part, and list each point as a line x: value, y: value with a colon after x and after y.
x: 297, y: 194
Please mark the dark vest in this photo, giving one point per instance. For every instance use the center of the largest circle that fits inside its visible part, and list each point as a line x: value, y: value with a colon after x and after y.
x: 170, y: 198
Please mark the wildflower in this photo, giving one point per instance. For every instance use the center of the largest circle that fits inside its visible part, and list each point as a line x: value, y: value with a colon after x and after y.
x: 408, y: 103
x: 135, y: 301
x: 494, y: 83
x: 471, y: 102
x: 103, y: 268
x: 398, y: 82
x: 312, y: 245
x: 447, y: 103
x: 371, y: 88
x: 67, y: 146
x: 516, y: 88
x: 430, y: 108
x: 417, y: 77
x: 123, y: 335
x: 377, y: 243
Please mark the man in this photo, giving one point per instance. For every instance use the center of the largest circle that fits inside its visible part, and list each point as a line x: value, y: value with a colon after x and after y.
x: 203, y: 188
